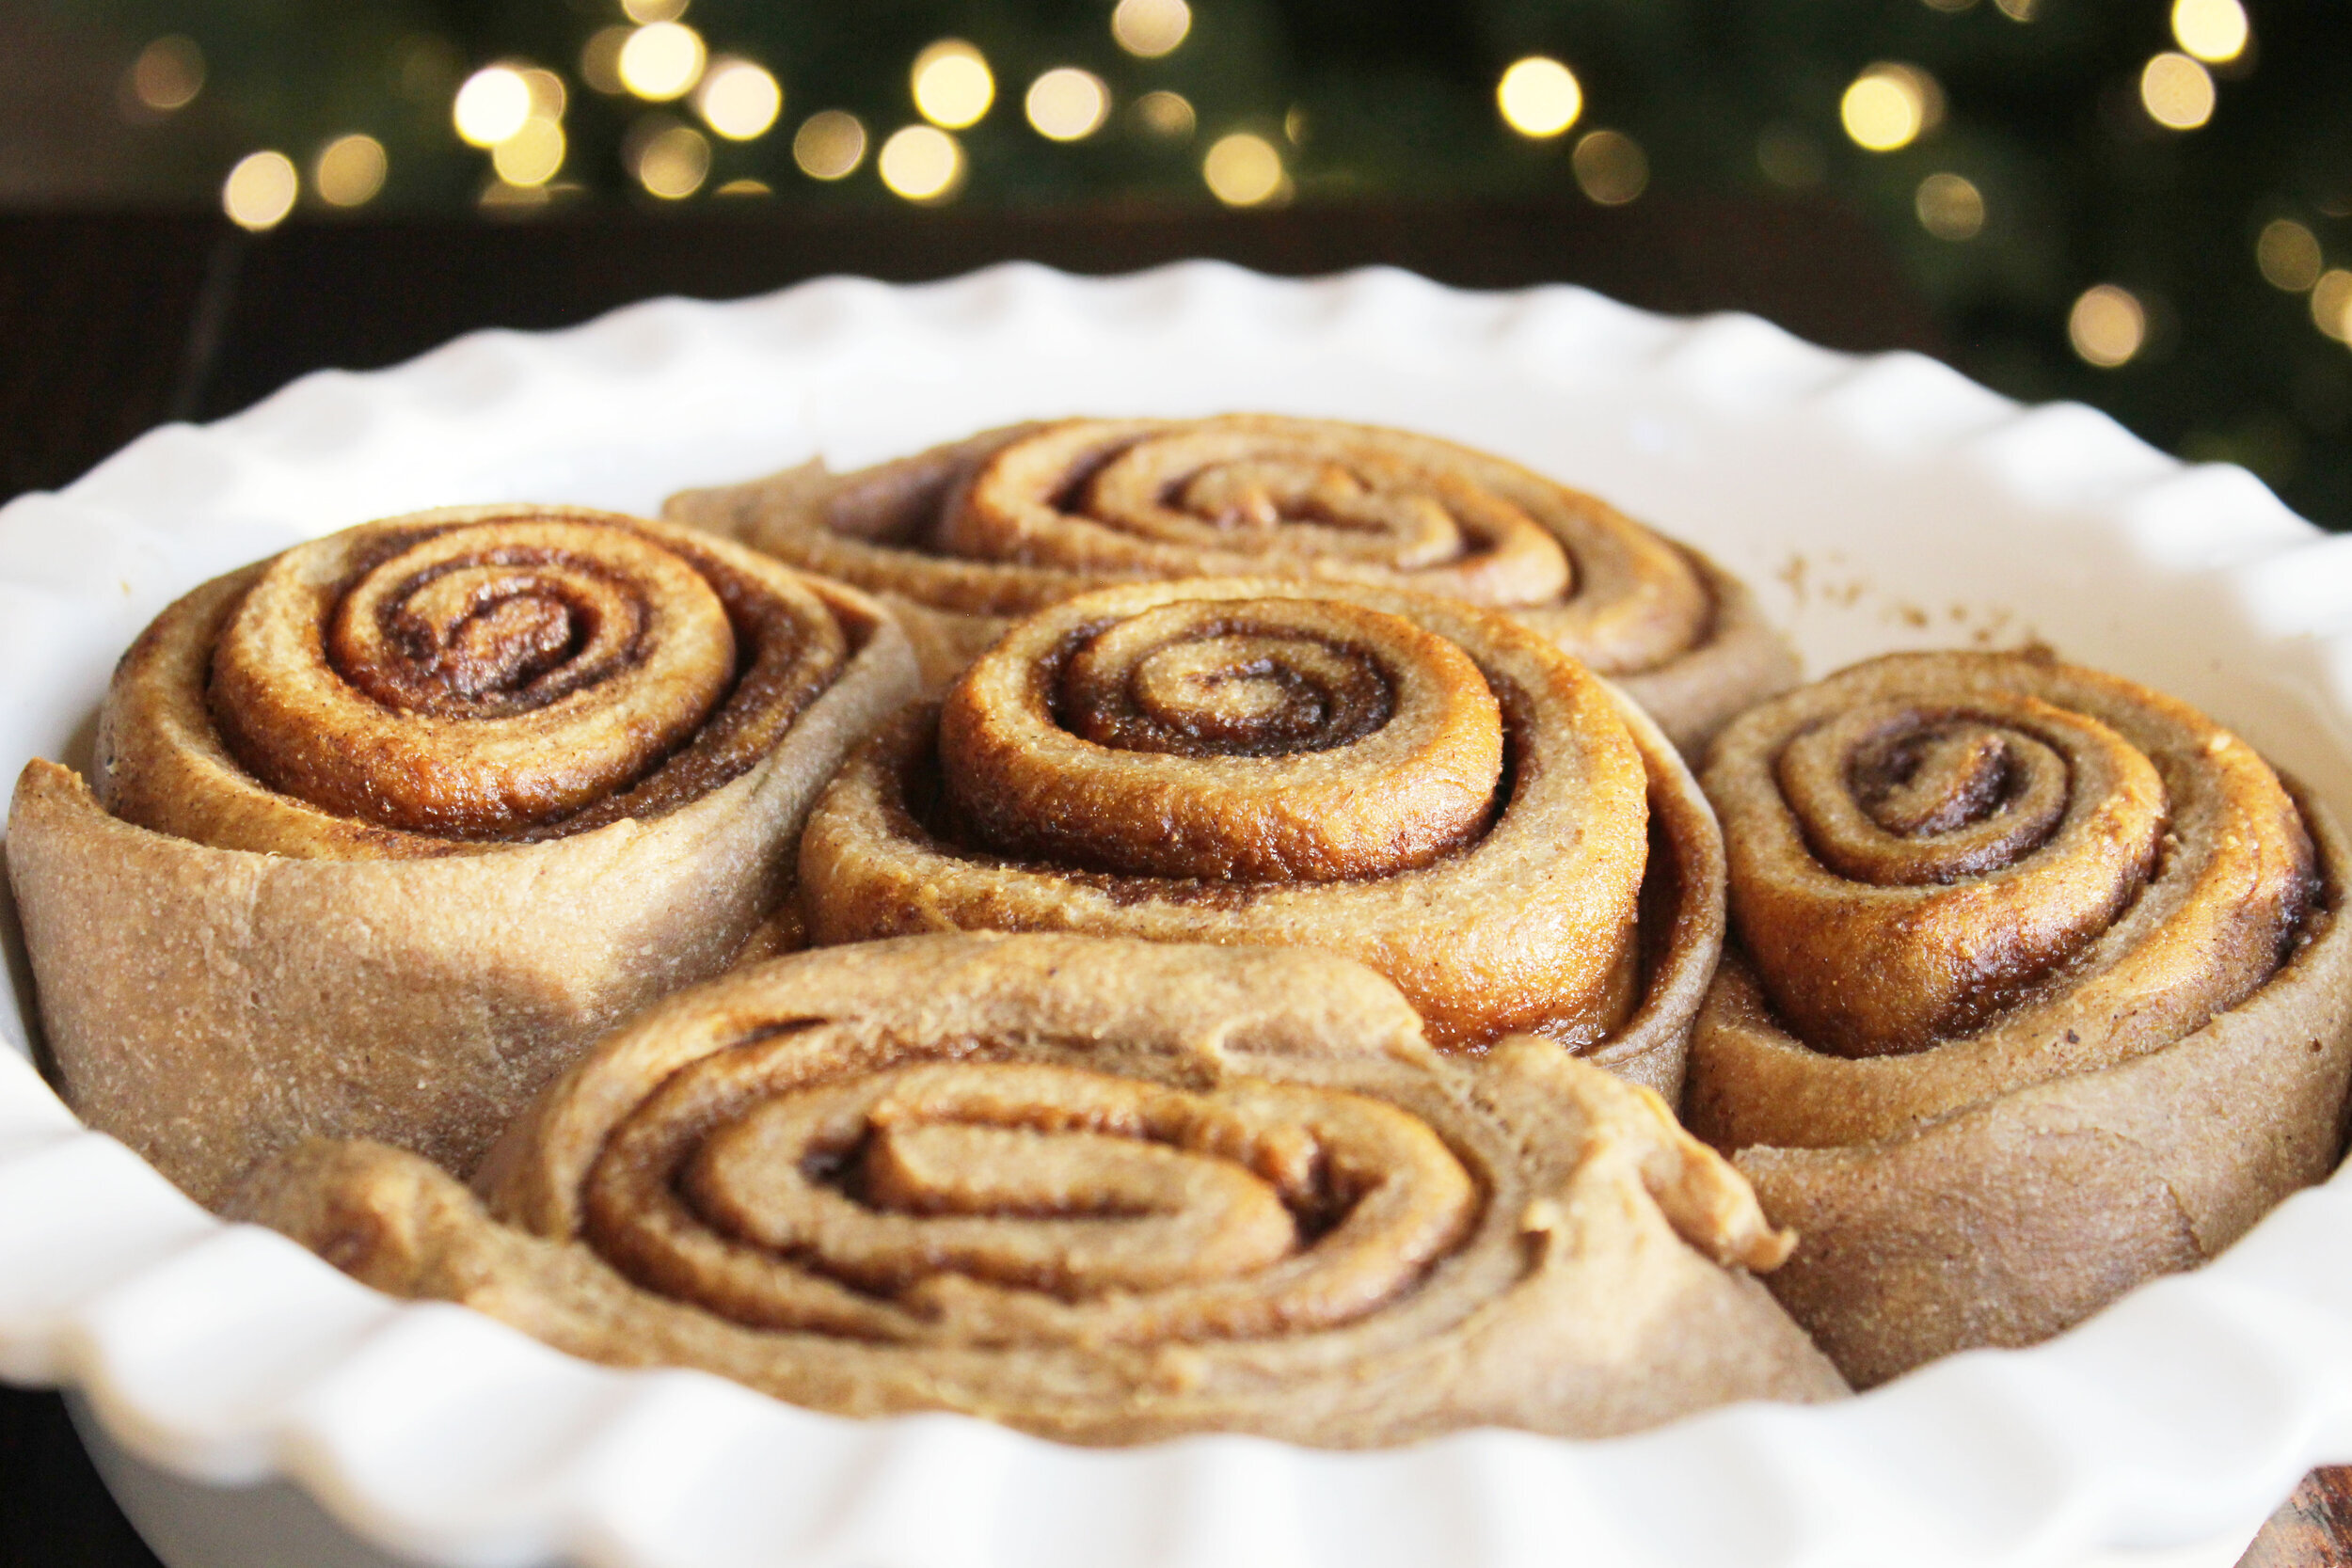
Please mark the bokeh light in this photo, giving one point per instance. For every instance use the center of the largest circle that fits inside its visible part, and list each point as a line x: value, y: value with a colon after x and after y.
x: 533, y: 155
x: 1539, y: 96
x: 738, y: 99
x: 642, y: 11
x: 350, y: 170
x: 1791, y: 158
x: 673, y: 161
x: 2108, y: 326
x: 830, y: 145
x: 1890, y: 105
x: 1950, y: 207
x: 1609, y: 167
x: 744, y: 187
x: 1068, y: 104
x: 168, y: 74
x: 491, y: 107
x: 2289, y: 255
x: 600, y: 60
x: 1151, y: 28
x: 921, y: 163
x: 662, y: 61
x: 260, y: 190
x: 953, y: 85
x: 2177, y: 92
x: 548, y: 97
x: 2332, y: 304
x: 1243, y: 170
x: 2018, y: 11
x: 1166, y: 113
x: 2215, y: 31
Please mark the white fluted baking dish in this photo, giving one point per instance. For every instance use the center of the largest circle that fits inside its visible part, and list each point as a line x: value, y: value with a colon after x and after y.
x: 226, y: 1378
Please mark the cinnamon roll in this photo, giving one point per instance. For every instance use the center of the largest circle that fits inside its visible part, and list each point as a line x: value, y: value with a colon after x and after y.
x: 388, y: 827
x: 1429, y: 787
x: 962, y: 537
x: 2038, y: 988
x: 1104, y: 1192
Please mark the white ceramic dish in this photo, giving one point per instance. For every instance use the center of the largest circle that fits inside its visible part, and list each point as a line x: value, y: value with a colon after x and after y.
x: 1877, y: 503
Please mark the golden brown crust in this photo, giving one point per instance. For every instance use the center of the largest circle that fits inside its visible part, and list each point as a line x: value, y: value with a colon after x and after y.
x: 223, y: 968
x: 2038, y: 990
x: 980, y: 531
x: 1104, y: 1192
x: 1425, y: 787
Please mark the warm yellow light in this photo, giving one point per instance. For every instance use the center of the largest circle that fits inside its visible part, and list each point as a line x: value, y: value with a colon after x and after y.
x: 673, y: 164
x: 2108, y: 326
x: 830, y: 145
x: 661, y: 60
x: 1242, y: 170
x: 1151, y: 28
x: 2177, y: 92
x: 921, y: 163
x: 260, y: 190
x: 349, y: 170
x: 532, y: 155
x: 1067, y: 104
x: 600, y: 60
x: 1539, y: 96
x: 642, y: 11
x: 739, y: 99
x: 498, y: 196
x: 1166, y: 113
x: 2332, y: 304
x: 1950, y: 207
x: 1611, y: 166
x: 2289, y: 255
x: 952, y: 84
x: 168, y: 74
x: 492, y: 105
x: 2213, y: 30
x: 1890, y: 105
x: 2018, y: 10
x: 548, y: 97
x: 744, y: 187
x: 1953, y: 6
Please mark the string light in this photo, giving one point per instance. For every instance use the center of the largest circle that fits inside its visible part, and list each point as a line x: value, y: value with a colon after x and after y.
x: 168, y: 74
x: 491, y: 107
x: 533, y: 155
x: 2176, y: 91
x: 2108, y: 326
x: 739, y: 99
x: 1539, y: 96
x: 673, y: 162
x: 830, y: 145
x: 953, y: 85
x: 1242, y: 170
x: 349, y: 170
x: 1950, y: 207
x: 600, y: 60
x: 1151, y: 28
x: 2332, y: 304
x: 1068, y: 104
x: 1609, y: 167
x: 1890, y: 105
x: 662, y: 61
x: 2289, y: 255
x: 921, y: 163
x: 2215, y: 31
x: 1166, y: 113
x: 260, y: 190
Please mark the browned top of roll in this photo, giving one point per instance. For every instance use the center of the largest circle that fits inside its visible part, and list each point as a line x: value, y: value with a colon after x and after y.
x: 1955, y: 873
x: 1015, y: 520
x: 454, y: 680
x: 1107, y: 1191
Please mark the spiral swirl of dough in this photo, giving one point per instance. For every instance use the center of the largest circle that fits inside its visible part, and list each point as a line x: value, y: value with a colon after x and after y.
x: 2035, y: 992
x: 1108, y: 1191
x: 453, y: 681
x: 1011, y: 521
x: 1428, y: 787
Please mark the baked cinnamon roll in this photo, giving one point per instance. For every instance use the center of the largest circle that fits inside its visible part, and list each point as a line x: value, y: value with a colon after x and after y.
x: 1428, y: 787
x: 1104, y: 1192
x: 2038, y: 988
x: 963, y: 538
x: 388, y: 827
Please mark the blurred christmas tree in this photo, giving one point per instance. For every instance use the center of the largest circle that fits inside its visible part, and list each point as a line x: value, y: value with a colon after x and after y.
x: 2144, y: 205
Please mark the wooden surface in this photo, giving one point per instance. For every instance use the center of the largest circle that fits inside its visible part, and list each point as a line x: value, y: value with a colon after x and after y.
x: 112, y: 323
